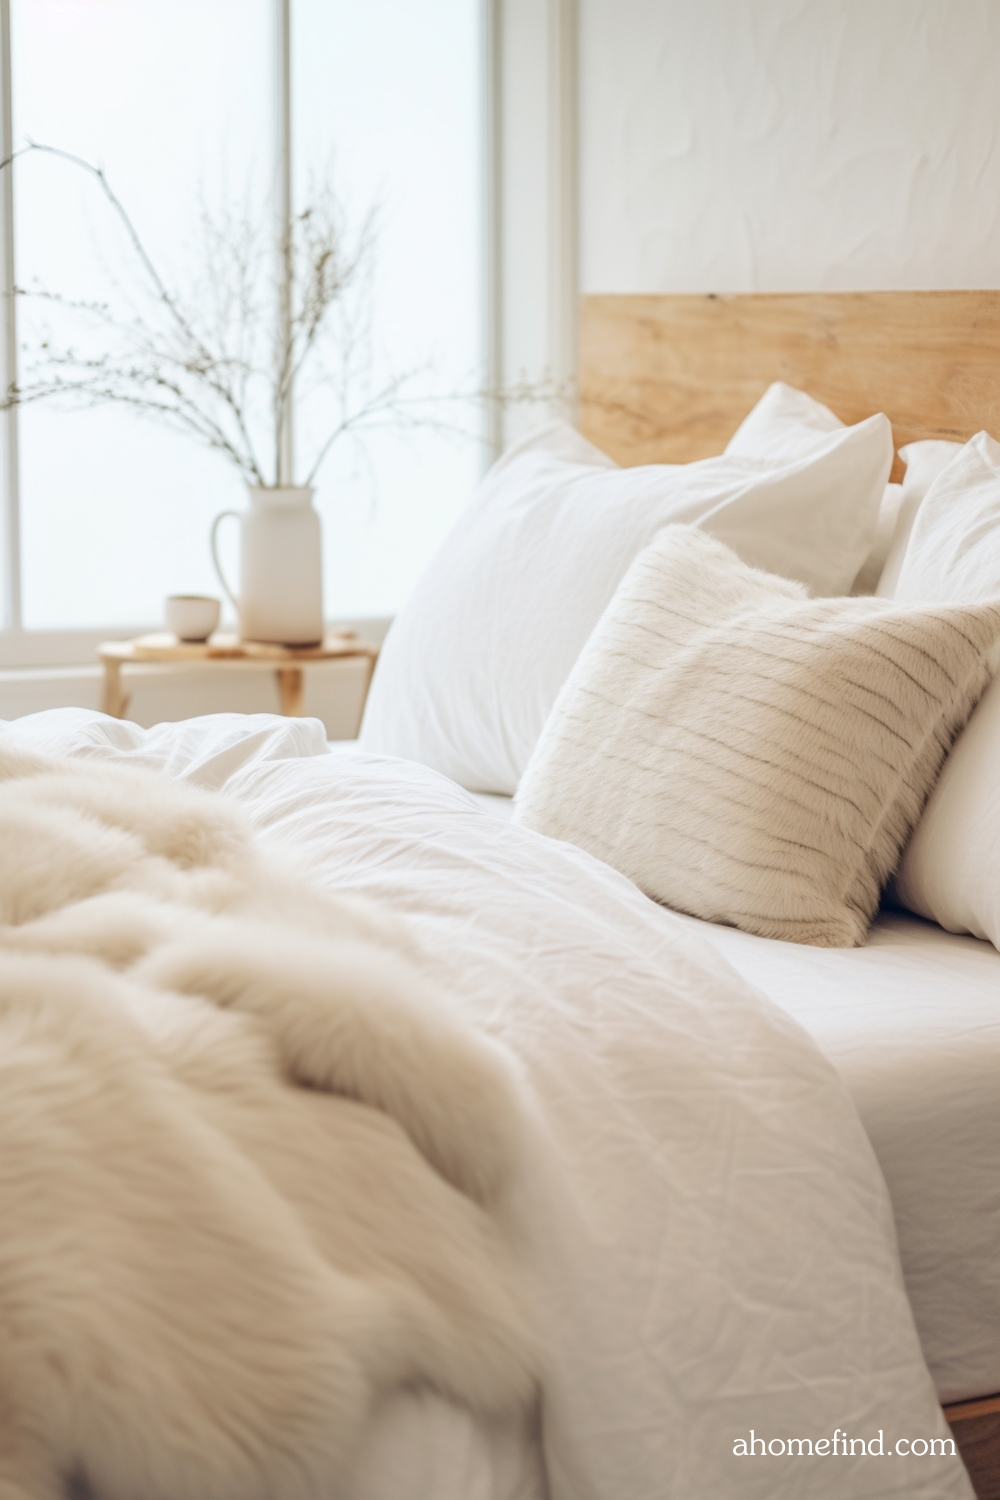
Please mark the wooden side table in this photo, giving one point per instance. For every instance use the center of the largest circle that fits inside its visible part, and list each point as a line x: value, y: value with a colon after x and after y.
x: 225, y: 652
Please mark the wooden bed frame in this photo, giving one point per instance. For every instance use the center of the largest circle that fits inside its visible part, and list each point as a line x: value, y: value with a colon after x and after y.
x: 669, y: 379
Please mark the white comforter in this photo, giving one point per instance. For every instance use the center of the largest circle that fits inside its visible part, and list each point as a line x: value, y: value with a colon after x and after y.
x: 712, y: 1249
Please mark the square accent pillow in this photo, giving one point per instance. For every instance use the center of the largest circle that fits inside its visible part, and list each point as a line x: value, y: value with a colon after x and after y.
x: 474, y: 662
x: 750, y: 755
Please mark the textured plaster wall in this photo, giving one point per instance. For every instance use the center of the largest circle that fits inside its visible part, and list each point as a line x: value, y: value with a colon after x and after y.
x: 784, y: 145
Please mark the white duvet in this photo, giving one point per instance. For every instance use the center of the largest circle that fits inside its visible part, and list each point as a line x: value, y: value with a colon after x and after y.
x: 712, y: 1243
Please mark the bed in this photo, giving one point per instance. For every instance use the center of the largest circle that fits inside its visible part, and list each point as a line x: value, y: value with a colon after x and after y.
x: 923, y: 1075
x: 710, y: 1238
x: 738, y: 1140
x: 912, y: 1025
x: 667, y: 379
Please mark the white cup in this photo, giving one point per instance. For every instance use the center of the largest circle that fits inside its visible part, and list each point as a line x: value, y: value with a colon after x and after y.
x: 192, y: 617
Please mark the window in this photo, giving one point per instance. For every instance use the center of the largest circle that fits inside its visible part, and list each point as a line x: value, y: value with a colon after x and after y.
x: 183, y: 104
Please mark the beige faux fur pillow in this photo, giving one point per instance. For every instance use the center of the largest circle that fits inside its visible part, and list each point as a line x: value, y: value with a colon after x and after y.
x: 749, y: 754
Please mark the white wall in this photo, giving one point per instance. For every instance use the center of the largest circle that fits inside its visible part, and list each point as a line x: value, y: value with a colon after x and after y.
x: 785, y: 145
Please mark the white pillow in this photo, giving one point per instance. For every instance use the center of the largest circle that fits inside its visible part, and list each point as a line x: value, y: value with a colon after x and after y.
x: 924, y: 462
x: 473, y: 663
x: 750, y: 755
x: 782, y: 424
x: 885, y: 529
x: 954, y: 547
x: 950, y: 870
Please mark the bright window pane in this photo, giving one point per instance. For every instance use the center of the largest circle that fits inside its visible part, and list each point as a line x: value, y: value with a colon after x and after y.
x: 175, y: 101
x: 388, y: 106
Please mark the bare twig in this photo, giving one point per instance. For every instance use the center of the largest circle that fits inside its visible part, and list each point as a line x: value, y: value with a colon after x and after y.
x: 224, y: 361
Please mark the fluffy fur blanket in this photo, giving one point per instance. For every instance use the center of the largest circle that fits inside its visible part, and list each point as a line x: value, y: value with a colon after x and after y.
x: 252, y: 1173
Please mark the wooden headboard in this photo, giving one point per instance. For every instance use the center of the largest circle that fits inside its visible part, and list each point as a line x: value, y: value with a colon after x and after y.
x: 669, y: 379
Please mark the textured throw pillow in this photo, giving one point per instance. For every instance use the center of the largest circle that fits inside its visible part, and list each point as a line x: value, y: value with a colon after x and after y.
x: 950, y: 871
x: 473, y: 663
x: 748, y: 754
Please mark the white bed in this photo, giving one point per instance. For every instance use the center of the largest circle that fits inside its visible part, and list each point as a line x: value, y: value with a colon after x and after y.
x: 911, y: 1022
x: 762, y: 1194
x: 710, y: 1242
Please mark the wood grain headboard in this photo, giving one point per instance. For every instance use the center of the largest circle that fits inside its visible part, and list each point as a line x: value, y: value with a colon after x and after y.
x: 669, y: 379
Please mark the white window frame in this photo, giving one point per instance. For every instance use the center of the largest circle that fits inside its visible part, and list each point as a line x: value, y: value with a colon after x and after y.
x: 529, y: 61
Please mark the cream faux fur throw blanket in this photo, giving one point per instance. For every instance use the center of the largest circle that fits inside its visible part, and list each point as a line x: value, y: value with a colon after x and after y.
x: 252, y: 1173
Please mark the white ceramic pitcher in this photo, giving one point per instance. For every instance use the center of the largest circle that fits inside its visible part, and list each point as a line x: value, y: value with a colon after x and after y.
x: 281, y: 567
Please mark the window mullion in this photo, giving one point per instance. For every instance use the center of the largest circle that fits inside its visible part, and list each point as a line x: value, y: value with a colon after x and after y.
x: 11, y: 478
x: 564, y: 274
x: 492, y: 52
x: 285, y: 457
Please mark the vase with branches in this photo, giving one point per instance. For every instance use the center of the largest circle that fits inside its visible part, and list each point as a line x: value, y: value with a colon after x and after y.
x: 275, y: 314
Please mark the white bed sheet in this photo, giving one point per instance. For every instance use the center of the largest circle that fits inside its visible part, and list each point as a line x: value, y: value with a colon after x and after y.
x: 707, y: 1236
x: 912, y: 1024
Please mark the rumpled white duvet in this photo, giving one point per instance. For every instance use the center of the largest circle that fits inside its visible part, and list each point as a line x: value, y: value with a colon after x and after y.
x: 711, y: 1242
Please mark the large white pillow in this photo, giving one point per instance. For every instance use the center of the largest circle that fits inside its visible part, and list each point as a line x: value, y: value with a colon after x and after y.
x: 750, y: 755
x: 784, y: 424
x: 924, y: 462
x: 950, y: 870
x: 885, y: 529
x: 473, y: 663
x: 954, y: 548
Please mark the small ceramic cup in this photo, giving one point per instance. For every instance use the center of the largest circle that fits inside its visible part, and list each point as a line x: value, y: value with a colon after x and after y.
x: 192, y: 617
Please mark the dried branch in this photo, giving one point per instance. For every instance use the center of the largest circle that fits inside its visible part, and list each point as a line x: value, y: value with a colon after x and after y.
x: 224, y: 360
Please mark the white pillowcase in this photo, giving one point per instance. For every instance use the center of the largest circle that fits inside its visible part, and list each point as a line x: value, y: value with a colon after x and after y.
x: 874, y: 564
x: 474, y: 662
x: 950, y: 870
x: 924, y: 462
x: 954, y: 547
